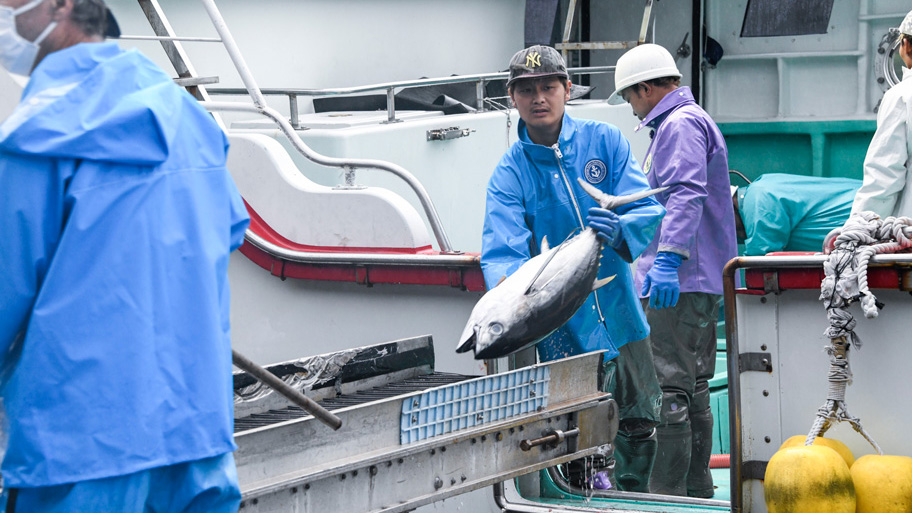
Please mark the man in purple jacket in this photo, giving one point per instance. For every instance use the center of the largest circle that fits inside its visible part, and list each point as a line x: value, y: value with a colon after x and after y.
x: 680, y: 274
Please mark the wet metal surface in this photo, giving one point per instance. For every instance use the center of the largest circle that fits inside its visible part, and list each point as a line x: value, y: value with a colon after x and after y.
x: 383, y: 392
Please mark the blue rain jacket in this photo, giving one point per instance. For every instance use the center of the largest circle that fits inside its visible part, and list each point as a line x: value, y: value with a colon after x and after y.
x: 117, y: 219
x: 783, y: 212
x: 528, y: 200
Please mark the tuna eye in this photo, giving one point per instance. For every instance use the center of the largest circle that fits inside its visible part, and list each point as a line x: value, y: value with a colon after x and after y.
x: 496, y: 328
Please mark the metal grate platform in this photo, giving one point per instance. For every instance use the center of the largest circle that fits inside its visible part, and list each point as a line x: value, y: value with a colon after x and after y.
x: 406, y: 386
x: 410, y: 436
x: 460, y: 406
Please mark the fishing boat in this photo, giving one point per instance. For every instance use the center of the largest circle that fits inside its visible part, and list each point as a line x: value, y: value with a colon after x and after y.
x: 362, y: 138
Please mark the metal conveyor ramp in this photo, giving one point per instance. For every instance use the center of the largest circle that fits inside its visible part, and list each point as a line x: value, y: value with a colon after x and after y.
x: 410, y: 436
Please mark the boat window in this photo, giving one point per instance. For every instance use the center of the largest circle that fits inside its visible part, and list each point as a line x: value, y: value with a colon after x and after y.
x: 767, y: 18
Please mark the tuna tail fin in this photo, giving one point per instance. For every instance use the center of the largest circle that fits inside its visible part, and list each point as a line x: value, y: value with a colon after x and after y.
x: 467, y: 340
x: 601, y: 283
x: 612, y: 202
x: 545, y: 246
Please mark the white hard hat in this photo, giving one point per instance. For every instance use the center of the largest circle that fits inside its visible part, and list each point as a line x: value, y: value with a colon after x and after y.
x: 645, y: 62
x: 906, y: 26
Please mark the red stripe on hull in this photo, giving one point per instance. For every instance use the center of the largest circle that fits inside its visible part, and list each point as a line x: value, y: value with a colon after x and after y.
x: 466, y: 278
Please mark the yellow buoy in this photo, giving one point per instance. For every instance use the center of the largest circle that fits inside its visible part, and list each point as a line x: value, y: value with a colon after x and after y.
x: 832, y: 443
x: 808, y: 479
x: 883, y: 484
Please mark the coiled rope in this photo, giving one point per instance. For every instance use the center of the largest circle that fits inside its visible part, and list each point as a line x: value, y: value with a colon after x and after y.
x: 849, y: 250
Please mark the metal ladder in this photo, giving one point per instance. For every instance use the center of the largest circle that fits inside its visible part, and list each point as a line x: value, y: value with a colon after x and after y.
x: 187, y: 76
x: 565, y: 45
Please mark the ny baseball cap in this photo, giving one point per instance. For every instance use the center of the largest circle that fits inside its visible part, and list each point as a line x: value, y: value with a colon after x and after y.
x: 536, y: 62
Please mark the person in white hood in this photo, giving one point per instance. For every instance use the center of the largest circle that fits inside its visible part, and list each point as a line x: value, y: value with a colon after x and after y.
x: 887, y: 186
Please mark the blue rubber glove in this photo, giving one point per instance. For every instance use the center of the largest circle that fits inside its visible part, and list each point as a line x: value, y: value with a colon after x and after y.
x: 607, y: 226
x: 661, y: 281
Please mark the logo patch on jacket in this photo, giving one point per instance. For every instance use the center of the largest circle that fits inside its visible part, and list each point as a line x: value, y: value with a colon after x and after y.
x: 648, y: 164
x: 595, y: 171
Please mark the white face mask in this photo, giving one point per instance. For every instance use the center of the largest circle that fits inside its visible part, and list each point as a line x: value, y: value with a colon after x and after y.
x: 17, y: 54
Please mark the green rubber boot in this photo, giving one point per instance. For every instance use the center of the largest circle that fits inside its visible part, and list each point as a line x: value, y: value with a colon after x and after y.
x: 634, y: 456
x: 672, y: 461
x: 699, y: 479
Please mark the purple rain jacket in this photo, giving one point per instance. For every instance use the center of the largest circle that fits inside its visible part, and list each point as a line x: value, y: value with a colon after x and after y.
x: 688, y: 155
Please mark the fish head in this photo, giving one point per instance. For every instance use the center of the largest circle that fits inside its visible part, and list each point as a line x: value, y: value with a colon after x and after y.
x: 467, y: 339
x: 480, y: 335
x: 492, y: 323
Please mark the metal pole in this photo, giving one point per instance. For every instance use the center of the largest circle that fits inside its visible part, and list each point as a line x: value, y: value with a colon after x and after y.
x: 391, y: 105
x: 270, y: 379
x: 235, y: 53
x: 568, y: 27
x: 733, y: 352
x: 734, y: 380
x: 293, y: 111
x: 644, y: 27
x: 588, y: 70
x: 696, y: 57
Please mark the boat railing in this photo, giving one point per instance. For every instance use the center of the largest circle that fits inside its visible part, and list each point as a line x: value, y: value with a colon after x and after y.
x: 197, y: 85
x: 480, y: 80
x: 348, y: 164
x: 181, y: 62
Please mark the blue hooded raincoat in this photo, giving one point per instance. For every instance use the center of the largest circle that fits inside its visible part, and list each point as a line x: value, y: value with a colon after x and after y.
x: 528, y: 200
x: 118, y: 217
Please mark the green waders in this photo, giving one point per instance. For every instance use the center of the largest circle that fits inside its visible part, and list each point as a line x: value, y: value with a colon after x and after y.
x: 683, y: 342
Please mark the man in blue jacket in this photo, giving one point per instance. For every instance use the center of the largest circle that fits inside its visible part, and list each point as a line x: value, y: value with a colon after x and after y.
x: 532, y: 194
x: 680, y: 273
x: 118, y: 216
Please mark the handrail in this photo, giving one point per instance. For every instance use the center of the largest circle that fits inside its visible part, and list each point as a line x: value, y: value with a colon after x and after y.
x: 312, y: 257
x: 234, y: 53
x: 390, y: 88
x: 733, y: 351
x: 348, y: 164
x: 259, y: 106
x: 591, y: 70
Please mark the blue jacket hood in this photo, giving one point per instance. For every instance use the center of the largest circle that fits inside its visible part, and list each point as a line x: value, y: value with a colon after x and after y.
x: 118, y: 217
x: 94, y: 101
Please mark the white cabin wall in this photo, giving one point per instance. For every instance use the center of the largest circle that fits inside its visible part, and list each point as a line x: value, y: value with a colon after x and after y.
x: 811, y: 77
x: 340, y: 43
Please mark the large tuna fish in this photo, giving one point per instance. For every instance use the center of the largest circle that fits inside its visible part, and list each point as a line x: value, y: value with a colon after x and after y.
x: 543, y: 293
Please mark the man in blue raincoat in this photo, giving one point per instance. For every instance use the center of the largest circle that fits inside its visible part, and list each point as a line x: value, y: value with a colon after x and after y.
x: 532, y: 194
x: 680, y: 273
x: 117, y: 219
